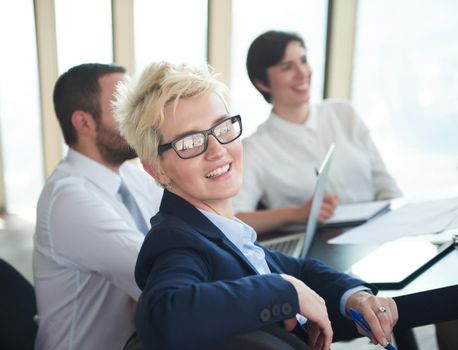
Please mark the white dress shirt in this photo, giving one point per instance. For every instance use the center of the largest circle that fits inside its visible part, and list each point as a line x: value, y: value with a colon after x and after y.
x: 85, y: 248
x: 280, y: 160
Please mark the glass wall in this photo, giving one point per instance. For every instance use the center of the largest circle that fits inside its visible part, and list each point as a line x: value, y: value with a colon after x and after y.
x: 253, y: 17
x: 84, y: 32
x: 20, y: 127
x: 173, y: 30
x: 405, y: 86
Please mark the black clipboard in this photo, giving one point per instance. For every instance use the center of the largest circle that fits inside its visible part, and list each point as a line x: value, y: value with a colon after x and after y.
x: 394, y: 264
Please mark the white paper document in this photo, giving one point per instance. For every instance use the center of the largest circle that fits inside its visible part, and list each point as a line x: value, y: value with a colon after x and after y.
x: 453, y: 224
x: 356, y: 212
x: 410, y: 219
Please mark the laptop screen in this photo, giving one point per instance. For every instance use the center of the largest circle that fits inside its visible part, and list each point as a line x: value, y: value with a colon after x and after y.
x: 317, y: 200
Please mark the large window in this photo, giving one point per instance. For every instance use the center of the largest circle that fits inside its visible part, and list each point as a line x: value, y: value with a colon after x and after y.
x: 405, y: 86
x: 20, y: 131
x: 173, y: 30
x: 253, y: 17
x: 84, y: 32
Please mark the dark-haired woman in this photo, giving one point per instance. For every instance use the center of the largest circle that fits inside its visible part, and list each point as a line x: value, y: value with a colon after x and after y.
x: 281, y: 157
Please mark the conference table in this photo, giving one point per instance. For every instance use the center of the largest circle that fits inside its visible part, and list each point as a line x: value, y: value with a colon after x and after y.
x: 442, y: 273
x: 434, y: 288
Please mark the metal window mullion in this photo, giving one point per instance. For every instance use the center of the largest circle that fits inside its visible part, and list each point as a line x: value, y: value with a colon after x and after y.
x: 219, y: 37
x: 48, y: 74
x: 123, y: 34
x: 340, y: 48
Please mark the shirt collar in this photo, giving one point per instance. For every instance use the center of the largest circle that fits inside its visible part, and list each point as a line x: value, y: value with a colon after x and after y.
x: 95, y: 172
x: 310, y: 123
x: 235, y: 230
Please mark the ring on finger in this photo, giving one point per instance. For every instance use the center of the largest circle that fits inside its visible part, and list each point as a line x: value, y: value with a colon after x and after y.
x: 381, y: 308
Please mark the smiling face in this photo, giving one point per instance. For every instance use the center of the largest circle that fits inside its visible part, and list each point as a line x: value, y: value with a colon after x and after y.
x: 210, y: 180
x: 289, y: 80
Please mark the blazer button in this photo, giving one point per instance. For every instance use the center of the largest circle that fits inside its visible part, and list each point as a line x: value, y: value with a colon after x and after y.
x: 265, y: 315
x: 286, y: 309
x: 275, y: 310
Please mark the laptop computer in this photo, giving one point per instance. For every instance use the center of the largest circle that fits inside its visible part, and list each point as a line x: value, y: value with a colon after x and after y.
x: 298, y: 244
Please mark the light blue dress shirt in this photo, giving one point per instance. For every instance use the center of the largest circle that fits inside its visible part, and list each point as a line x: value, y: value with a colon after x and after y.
x: 243, y: 237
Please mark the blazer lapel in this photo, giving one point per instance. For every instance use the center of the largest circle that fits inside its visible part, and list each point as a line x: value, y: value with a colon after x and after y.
x: 272, y: 264
x: 177, y: 206
x: 231, y: 247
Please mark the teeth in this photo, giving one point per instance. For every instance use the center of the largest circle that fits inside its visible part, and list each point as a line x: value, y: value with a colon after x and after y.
x: 302, y: 87
x: 218, y: 172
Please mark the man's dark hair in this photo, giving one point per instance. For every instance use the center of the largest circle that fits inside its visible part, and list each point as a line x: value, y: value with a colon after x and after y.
x: 265, y: 51
x: 79, y: 89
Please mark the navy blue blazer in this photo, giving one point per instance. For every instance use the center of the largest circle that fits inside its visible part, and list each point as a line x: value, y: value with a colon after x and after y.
x: 199, y: 289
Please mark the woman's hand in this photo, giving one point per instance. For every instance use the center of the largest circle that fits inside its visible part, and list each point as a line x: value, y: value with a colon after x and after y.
x: 380, y: 313
x: 313, y: 307
x: 328, y: 206
x: 269, y: 220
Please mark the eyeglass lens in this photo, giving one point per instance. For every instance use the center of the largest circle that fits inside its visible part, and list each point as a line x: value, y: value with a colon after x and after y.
x: 191, y: 145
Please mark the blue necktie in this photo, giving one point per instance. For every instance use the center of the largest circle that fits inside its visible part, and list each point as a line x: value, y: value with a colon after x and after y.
x: 132, y: 206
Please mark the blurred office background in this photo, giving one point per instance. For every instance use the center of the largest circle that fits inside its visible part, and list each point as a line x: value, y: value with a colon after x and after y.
x: 397, y: 61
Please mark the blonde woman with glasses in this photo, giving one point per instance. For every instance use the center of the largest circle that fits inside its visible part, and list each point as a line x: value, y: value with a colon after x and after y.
x: 205, y: 279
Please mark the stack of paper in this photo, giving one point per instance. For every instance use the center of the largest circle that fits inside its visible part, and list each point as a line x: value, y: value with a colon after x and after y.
x: 356, y: 213
x: 411, y: 219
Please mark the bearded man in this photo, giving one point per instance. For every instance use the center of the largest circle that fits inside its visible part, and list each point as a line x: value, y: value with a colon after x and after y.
x: 92, y: 216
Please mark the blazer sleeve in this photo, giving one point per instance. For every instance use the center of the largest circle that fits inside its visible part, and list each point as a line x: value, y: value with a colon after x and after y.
x: 325, y: 280
x: 184, y: 306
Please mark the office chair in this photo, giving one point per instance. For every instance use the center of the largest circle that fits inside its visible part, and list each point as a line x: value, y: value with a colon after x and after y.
x: 133, y: 343
x: 273, y: 337
x: 17, y: 309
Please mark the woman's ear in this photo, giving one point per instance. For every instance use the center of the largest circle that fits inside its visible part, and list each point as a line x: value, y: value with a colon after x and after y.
x: 262, y: 86
x: 157, y: 173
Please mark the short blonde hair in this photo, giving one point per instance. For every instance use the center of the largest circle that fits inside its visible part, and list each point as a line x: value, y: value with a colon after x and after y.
x: 139, y: 105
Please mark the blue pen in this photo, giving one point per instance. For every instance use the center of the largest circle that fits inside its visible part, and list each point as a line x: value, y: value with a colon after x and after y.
x: 360, y: 321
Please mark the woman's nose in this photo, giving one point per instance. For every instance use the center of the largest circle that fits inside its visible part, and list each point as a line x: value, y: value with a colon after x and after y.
x: 214, y: 148
x: 303, y: 70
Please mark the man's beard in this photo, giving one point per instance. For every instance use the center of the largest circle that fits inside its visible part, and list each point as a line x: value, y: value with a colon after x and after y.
x: 112, y: 146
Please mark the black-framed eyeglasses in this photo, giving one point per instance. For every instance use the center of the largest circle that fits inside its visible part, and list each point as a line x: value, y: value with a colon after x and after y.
x: 196, y: 143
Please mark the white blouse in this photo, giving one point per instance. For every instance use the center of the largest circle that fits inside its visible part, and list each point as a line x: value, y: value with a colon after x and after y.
x: 280, y: 159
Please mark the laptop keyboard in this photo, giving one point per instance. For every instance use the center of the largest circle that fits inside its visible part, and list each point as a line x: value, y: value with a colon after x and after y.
x: 286, y: 247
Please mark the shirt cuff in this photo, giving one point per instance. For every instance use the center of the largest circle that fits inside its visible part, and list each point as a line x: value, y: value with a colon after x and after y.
x: 347, y: 295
